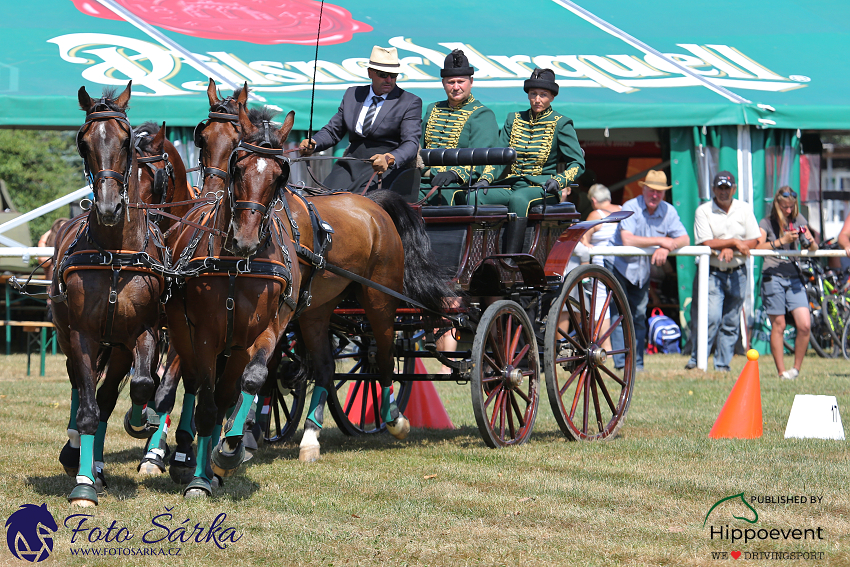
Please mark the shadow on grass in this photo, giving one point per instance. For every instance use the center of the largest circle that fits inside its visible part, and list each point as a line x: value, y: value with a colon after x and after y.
x: 121, y: 487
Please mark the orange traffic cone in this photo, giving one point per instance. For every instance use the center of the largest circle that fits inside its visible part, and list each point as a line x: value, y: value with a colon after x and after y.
x: 425, y: 408
x: 741, y: 416
x: 356, y: 411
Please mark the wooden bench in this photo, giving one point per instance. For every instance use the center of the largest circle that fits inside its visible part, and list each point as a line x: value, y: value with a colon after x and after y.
x: 36, y: 334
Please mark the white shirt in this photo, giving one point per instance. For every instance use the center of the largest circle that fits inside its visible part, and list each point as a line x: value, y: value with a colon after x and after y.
x: 712, y: 222
x: 359, y: 127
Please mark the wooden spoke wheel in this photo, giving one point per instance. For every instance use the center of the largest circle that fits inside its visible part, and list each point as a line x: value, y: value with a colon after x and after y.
x: 505, y: 375
x: 355, y: 401
x: 589, y: 354
x: 286, y: 400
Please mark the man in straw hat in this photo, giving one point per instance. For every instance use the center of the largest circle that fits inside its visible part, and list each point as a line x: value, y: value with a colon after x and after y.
x: 543, y: 138
x: 383, y: 123
x: 654, y: 223
x: 460, y: 121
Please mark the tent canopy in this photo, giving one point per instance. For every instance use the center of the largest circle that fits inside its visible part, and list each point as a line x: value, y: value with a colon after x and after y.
x: 774, y: 63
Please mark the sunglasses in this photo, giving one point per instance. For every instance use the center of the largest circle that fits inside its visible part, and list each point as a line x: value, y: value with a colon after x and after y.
x: 788, y: 194
x: 384, y: 74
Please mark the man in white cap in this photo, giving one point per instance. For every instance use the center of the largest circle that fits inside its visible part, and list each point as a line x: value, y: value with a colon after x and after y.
x: 383, y: 123
x: 654, y: 223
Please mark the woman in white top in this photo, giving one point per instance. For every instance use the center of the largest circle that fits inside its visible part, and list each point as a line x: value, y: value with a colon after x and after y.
x: 598, y: 237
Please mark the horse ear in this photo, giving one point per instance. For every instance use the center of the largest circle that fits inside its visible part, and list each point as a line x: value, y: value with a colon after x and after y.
x: 124, y: 98
x: 212, y: 93
x: 286, y: 127
x: 243, y: 95
x: 159, y: 140
x: 245, y: 123
x: 84, y: 98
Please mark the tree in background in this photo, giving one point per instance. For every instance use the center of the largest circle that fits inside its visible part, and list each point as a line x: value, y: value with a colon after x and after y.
x: 39, y: 166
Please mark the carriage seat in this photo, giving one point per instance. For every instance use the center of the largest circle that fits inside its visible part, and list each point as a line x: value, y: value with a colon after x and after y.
x: 463, y: 211
x: 555, y: 208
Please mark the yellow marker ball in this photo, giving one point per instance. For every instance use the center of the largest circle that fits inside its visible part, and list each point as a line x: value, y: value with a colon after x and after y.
x: 752, y: 354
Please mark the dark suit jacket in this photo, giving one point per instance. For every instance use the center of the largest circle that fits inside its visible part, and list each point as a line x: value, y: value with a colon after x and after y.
x: 398, y: 125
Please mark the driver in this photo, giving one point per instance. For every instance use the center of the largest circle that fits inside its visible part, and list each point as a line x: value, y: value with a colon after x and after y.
x: 383, y: 123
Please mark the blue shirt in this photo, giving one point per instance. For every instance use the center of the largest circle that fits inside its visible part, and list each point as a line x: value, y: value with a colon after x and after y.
x: 663, y: 222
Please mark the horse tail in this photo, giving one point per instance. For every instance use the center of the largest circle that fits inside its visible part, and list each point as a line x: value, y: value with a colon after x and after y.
x: 424, y: 279
x: 102, y: 359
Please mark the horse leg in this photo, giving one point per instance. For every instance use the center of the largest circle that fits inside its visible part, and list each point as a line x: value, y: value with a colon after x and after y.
x: 380, y: 310
x: 69, y: 456
x: 200, y: 369
x: 318, y: 367
x: 83, y: 353
x: 141, y: 420
x: 120, y: 361
x: 153, y: 462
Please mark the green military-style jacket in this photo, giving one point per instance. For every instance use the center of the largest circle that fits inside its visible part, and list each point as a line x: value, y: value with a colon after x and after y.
x: 471, y: 125
x: 541, y: 143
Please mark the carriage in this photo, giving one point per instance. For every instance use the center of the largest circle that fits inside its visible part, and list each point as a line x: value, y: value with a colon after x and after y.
x: 521, y: 317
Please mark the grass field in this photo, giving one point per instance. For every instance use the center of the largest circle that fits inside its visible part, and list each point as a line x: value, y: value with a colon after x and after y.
x: 443, y: 498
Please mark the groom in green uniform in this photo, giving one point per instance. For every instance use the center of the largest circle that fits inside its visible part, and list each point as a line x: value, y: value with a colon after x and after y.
x: 458, y: 122
x: 542, y: 138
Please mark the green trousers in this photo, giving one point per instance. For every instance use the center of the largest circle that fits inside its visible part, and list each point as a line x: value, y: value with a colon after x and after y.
x: 519, y: 199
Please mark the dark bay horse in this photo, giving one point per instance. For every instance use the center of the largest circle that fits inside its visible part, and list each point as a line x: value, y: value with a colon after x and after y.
x: 380, y: 238
x: 237, y: 298
x: 106, y: 290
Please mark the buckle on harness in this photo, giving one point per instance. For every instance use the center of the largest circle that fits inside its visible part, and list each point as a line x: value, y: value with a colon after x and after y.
x: 229, y: 304
x: 247, y: 264
x: 103, y: 259
x: 113, y: 296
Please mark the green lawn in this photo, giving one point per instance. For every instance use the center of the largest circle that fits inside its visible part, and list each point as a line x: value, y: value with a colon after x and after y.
x: 443, y: 498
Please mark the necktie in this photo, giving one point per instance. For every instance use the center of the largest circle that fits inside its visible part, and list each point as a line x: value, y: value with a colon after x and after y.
x: 370, y: 114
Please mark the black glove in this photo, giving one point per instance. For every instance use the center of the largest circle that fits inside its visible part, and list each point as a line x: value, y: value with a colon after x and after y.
x: 483, y: 184
x: 444, y: 178
x: 552, y: 187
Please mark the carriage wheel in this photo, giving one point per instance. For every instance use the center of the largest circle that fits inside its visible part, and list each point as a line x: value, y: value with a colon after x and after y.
x: 505, y: 375
x: 588, y: 394
x: 358, y: 412
x: 287, y: 398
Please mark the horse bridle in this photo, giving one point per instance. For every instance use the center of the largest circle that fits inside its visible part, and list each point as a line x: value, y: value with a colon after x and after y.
x: 124, y: 178
x: 199, y: 142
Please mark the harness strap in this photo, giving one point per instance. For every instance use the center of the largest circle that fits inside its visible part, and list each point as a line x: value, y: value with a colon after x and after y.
x: 229, y: 305
x: 110, y: 307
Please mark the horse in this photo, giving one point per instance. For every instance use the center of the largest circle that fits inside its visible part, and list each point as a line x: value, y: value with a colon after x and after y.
x: 106, y: 289
x: 235, y: 301
x: 381, y: 239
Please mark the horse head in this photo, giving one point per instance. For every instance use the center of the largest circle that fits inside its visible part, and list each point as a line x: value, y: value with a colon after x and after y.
x: 217, y: 136
x: 258, y: 172
x: 106, y: 144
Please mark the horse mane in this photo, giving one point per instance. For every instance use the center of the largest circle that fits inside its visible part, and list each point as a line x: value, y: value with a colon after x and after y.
x: 257, y: 116
x: 108, y: 100
x: 145, y: 135
x: 229, y: 104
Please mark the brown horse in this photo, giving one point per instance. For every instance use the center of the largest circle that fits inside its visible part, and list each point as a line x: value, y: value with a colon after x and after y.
x: 379, y: 238
x: 105, y: 291
x: 236, y: 300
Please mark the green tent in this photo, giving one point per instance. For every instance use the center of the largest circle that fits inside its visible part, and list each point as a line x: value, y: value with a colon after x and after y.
x: 729, y: 83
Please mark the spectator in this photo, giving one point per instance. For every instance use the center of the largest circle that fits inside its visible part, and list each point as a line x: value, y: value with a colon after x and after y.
x: 600, y: 236
x: 844, y: 236
x: 654, y: 223
x: 726, y: 225
x: 782, y: 286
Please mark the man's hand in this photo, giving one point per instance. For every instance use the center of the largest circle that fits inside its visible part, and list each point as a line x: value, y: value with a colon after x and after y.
x: 306, y: 147
x: 667, y: 244
x: 444, y: 178
x: 483, y: 185
x: 552, y: 188
x: 726, y: 254
x: 659, y: 257
x: 382, y: 162
x: 741, y: 247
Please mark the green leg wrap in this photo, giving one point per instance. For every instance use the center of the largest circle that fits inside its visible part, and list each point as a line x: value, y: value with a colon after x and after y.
x: 99, y: 438
x: 203, y: 457
x: 87, y: 457
x: 186, y: 414
x: 236, y: 422
x: 75, y: 406
x: 216, y: 434
x: 160, y: 434
x: 136, y: 416
x: 317, y: 406
x: 389, y: 410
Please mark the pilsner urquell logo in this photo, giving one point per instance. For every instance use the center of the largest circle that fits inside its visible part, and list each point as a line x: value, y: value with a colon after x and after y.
x: 29, y: 533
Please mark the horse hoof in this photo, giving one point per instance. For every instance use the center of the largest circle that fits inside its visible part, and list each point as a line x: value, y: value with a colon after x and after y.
x: 150, y: 468
x: 309, y: 454
x: 399, y: 427
x: 198, y: 488
x: 69, y: 458
x: 226, y: 464
x: 100, y: 482
x: 150, y: 423
x: 83, y: 495
x: 181, y: 466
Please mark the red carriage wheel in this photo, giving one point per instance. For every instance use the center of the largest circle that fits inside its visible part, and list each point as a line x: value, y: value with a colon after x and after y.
x: 355, y: 400
x: 286, y: 397
x: 505, y: 375
x: 588, y: 393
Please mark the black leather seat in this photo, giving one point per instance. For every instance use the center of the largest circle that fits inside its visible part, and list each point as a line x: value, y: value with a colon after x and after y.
x: 464, y: 211
x: 559, y: 208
